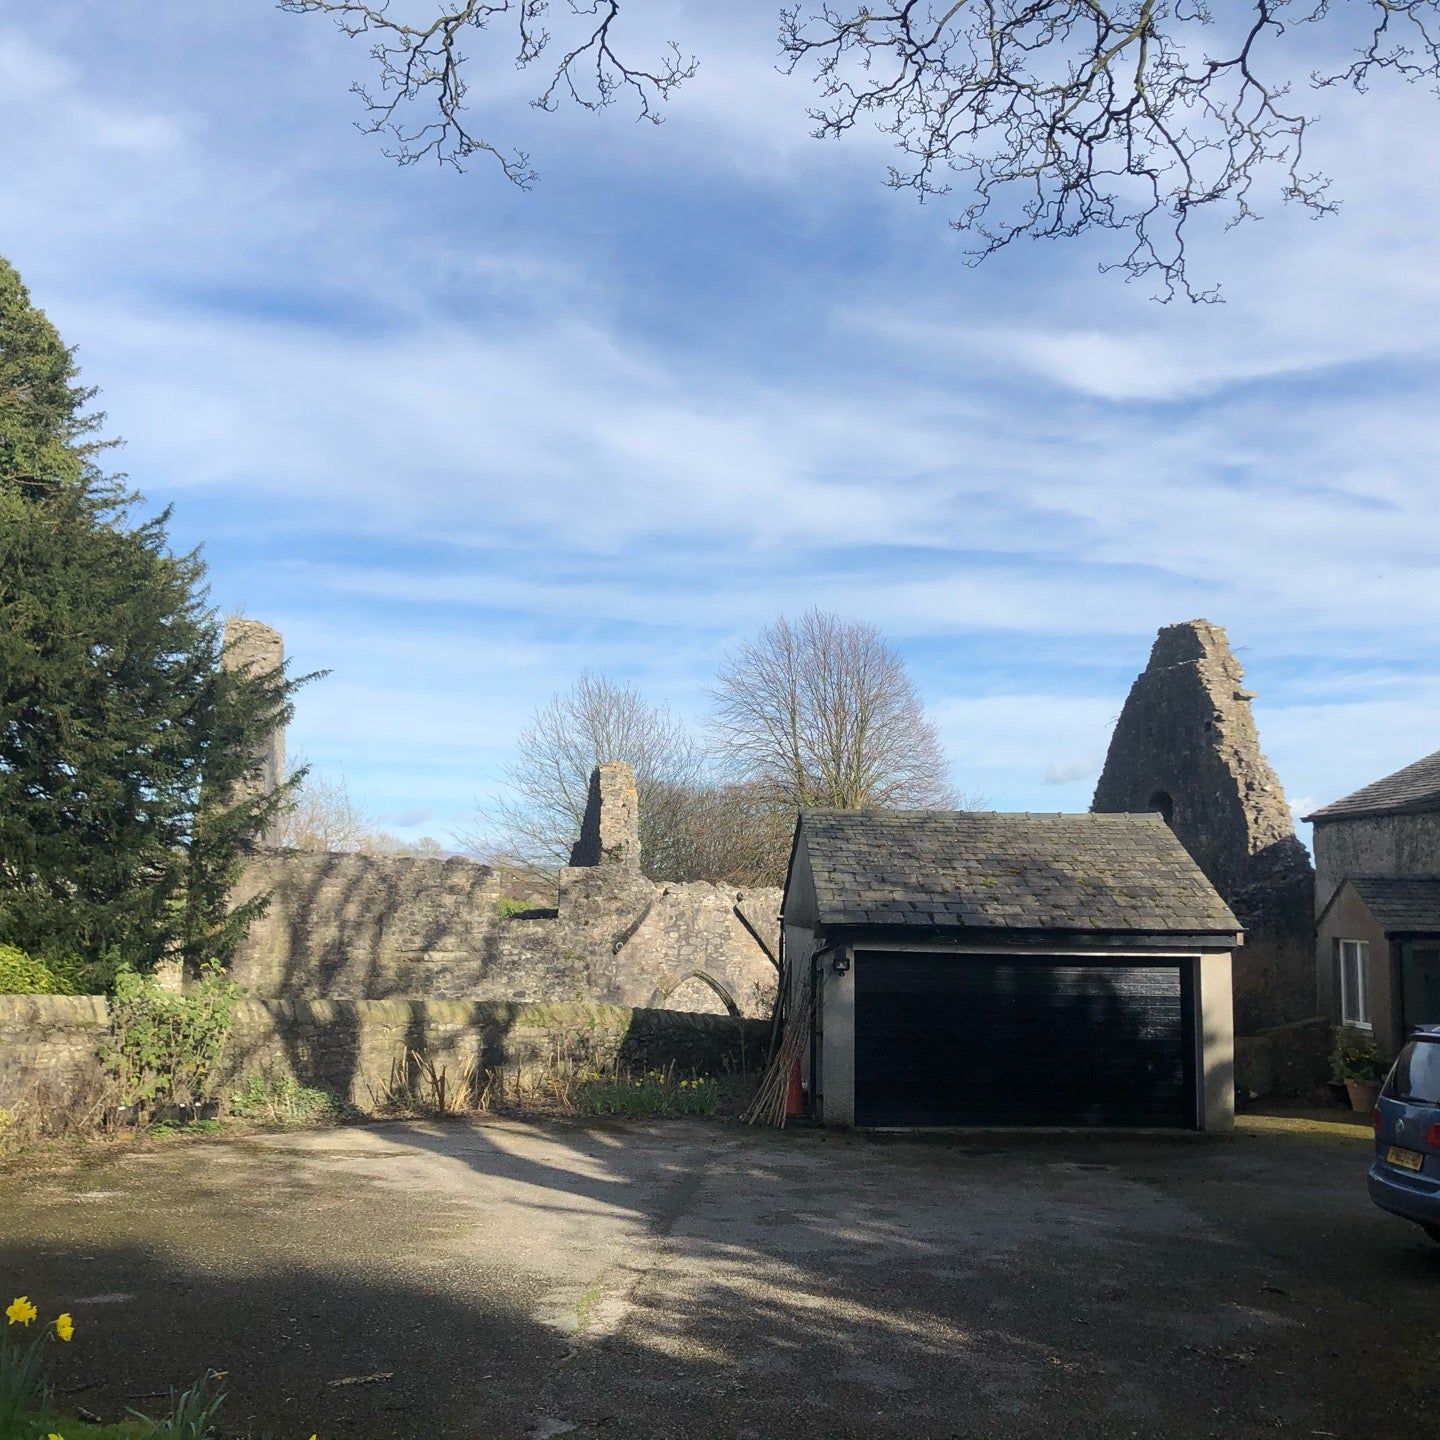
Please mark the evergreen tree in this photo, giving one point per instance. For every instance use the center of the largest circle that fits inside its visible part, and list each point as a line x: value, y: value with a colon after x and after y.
x: 122, y: 741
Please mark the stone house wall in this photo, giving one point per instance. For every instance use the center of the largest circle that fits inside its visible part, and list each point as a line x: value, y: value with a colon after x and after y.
x: 1403, y: 846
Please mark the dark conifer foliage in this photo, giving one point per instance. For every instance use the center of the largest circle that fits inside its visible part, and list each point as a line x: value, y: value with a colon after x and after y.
x: 121, y: 738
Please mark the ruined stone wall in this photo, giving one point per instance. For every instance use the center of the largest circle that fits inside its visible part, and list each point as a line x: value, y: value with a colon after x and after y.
x: 1399, y: 845
x: 643, y: 941
x: 1186, y: 745
x: 49, y: 1043
x: 366, y: 927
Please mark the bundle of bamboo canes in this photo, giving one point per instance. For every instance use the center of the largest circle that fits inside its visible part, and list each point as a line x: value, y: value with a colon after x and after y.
x: 769, y: 1105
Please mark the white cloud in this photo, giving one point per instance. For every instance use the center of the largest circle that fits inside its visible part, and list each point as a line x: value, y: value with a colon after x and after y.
x: 461, y: 443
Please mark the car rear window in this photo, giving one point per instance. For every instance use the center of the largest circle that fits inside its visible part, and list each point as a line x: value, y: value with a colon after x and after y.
x: 1416, y: 1075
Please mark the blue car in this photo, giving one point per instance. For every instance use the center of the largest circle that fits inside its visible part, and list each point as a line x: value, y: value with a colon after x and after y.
x: 1405, y: 1178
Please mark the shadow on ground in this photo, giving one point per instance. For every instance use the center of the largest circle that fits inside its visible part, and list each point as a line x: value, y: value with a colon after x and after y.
x: 512, y: 1280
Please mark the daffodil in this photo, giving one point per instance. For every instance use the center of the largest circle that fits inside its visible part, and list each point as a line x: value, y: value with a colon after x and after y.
x: 65, y: 1327
x: 53, y: 1436
x: 20, y: 1311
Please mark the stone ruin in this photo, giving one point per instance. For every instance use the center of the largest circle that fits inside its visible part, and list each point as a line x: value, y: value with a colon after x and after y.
x: 368, y: 927
x: 250, y: 646
x: 1186, y: 745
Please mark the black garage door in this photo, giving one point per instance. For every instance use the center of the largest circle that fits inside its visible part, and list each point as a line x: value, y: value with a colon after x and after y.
x: 1001, y: 1040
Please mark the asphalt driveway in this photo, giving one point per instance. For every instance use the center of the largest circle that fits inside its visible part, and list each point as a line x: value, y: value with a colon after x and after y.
x: 531, y: 1280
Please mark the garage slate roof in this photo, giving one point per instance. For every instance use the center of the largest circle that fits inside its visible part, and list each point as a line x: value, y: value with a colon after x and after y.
x: 1402, y: 907
x: 1416, y: 787
x: 982, y: 870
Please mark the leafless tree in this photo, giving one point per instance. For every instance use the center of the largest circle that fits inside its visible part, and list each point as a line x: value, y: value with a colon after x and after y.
x: 419, y: 52
x: 822, y: 712
x: 1056, y: 117
x: 325, y: 816
x: 732, y: 834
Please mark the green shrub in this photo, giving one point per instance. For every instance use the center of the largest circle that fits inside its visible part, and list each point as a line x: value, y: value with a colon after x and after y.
x: 282, y: 1099
x: 1357, y: 1057
x: 508, y: 909
x: 22, y: 974
x: 166, y: 1048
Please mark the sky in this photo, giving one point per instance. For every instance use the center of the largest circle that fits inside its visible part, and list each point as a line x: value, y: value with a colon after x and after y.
x: 460, y: 442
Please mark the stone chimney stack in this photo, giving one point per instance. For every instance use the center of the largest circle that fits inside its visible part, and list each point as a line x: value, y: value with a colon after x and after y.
x: 610, y: 833
x: 249, y: 645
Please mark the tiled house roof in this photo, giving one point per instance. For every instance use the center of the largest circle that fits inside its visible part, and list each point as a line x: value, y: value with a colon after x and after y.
x: 978, y: 870
x: 1416, y: 787
x: 1402, y: 907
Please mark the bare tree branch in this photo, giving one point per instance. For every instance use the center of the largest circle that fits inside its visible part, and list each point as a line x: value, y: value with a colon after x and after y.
x: 423, y: 70
x: 1063, y: 116
x: 1054, y: 117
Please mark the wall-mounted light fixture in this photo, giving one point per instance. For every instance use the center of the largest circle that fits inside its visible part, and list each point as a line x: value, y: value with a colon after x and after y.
x: 840, y: 961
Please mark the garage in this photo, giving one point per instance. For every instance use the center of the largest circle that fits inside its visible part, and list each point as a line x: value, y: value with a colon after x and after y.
x: 989, y: 1040
x: 980, y: 969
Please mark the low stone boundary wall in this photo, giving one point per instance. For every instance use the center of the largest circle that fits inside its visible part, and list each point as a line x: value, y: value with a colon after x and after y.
x: 1289, y: 1060
x: 348, y: 1046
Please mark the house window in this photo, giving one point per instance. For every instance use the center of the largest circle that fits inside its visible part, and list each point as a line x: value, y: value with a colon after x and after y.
x: 1355, y: 982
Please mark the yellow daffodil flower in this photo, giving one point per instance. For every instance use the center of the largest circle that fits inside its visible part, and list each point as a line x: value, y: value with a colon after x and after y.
x: 65, y: 1327
x: 53, y: 1436
x: 20, y: 1311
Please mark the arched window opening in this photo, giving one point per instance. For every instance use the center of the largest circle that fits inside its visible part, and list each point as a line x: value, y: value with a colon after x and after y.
x: 699, y: 994
x: 1164, y: 805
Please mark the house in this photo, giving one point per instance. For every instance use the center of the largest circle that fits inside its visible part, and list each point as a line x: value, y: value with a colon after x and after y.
x: 1377, y: 896
x: 969, y: 968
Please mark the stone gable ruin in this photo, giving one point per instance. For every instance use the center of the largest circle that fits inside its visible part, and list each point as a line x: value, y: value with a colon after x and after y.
x: 1186, y: 745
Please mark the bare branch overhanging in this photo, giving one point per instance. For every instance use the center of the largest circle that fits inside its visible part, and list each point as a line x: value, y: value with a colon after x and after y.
x: 421, y: 64
x: 1056, y: 117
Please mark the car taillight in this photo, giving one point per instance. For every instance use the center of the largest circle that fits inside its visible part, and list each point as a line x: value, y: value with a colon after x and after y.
x: 1432, y: 1137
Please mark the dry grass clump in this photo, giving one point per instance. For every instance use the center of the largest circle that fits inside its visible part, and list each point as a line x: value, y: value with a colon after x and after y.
x: 87, y: 1103
x: 422, y: 1085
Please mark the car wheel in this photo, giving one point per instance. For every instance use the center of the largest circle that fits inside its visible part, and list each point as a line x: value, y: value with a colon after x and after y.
x: 1433, y: 1231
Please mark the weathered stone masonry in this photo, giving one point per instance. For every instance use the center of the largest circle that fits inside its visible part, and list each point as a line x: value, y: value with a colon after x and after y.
x: 369, y: 927
x: 49, y: 1044
x: 1186, y: 745
x: 251, y: 647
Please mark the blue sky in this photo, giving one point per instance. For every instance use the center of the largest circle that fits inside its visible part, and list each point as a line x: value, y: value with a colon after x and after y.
x: 460, y: 442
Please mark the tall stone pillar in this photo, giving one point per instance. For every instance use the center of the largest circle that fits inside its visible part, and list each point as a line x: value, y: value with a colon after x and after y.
x: 610, y: 832
x: 250, y: 646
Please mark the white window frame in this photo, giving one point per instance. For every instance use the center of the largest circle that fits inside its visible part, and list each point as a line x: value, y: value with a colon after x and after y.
x: 1355, y: 953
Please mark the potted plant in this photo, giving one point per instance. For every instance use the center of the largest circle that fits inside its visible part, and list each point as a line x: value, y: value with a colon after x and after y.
x: 1357, y: 1063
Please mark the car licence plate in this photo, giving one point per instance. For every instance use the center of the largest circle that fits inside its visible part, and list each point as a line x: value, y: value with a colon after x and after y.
x: 1405, y: 1159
